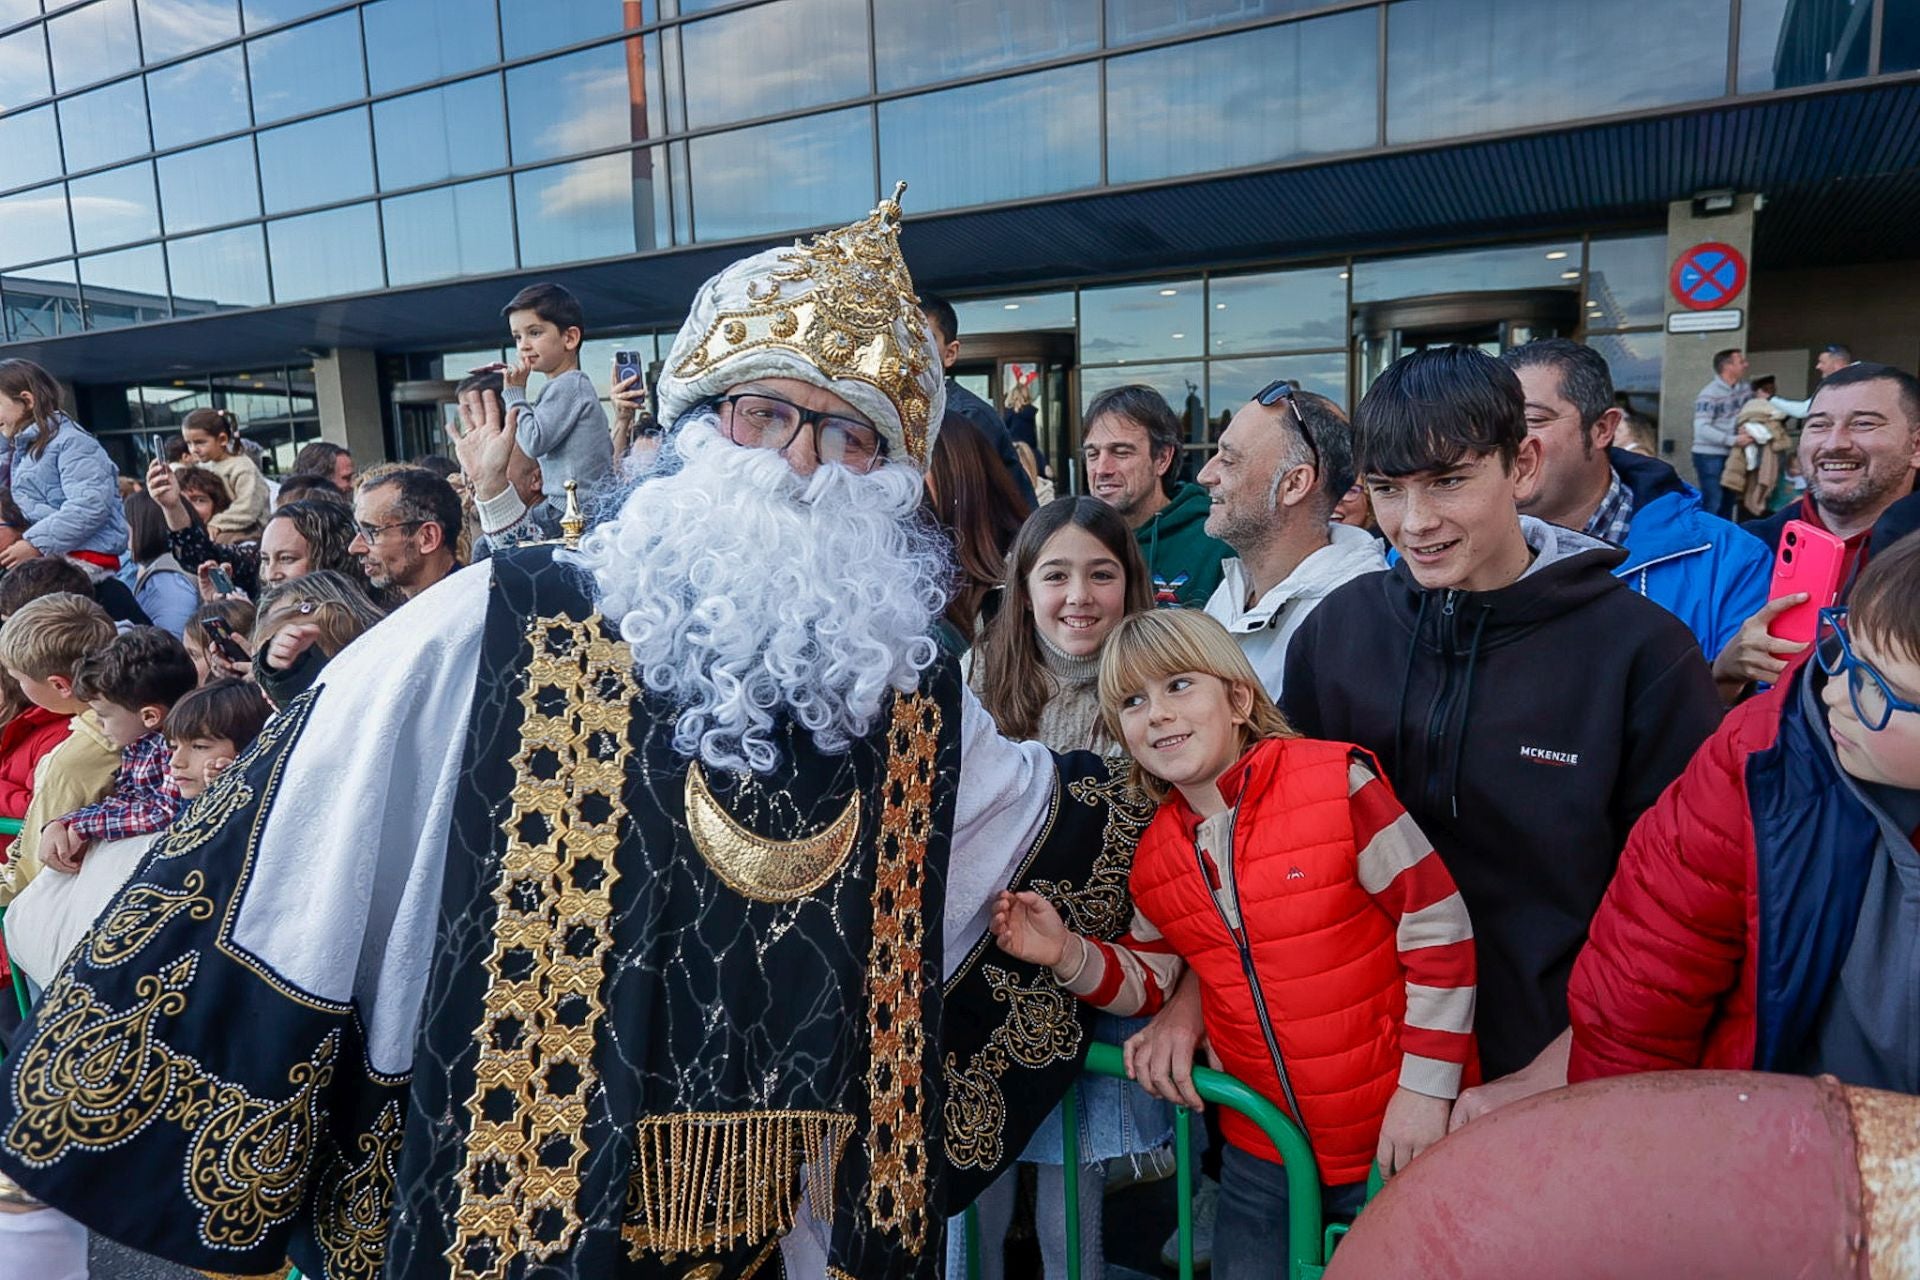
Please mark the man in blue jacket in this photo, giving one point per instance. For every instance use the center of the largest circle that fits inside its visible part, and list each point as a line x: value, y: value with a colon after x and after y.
x: 1704, y: 570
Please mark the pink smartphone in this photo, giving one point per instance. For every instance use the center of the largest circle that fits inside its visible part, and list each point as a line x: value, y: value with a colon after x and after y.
x: 1810, y: 560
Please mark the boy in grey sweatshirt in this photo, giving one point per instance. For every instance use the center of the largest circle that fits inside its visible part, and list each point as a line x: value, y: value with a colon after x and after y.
x: 565, y: 430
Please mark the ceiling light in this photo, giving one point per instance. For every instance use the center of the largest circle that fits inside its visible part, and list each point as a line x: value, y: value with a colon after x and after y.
x: 1343, y: 275
x: 1219, y: 306
x: 1569, y: 275
x: 1010, y: 306
x: 1556, y: 255
x: 1178, y: 336
x: 1168, y: 293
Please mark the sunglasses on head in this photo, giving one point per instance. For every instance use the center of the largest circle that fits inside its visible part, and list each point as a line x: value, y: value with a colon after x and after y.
x: 1288, y: 390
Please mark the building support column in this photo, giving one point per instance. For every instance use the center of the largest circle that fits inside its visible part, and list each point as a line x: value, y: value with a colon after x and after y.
x: 1688, y: 363
x: 346, y: 386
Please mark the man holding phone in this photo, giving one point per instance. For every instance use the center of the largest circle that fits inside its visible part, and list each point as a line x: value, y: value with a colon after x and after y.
x: 1859, y: 450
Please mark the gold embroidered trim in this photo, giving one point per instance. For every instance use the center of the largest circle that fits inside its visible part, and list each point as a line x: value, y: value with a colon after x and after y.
x: 756, y: 866
x: 353, y: 1206
x: 1041, y: 1027
x: 1102, y: 907
x: 896, y: 1091
x: 713, y: 1180
x: 520, y: 1184
x: 142, y: 912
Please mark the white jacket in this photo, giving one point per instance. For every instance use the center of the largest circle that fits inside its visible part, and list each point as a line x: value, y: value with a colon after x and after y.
x: 1266, y: 629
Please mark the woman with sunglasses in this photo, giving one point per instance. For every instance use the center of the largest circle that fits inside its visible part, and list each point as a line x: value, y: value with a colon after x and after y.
x: 1766, y: 913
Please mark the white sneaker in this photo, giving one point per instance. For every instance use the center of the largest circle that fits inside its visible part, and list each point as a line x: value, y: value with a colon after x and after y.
x: 1206, y: 1201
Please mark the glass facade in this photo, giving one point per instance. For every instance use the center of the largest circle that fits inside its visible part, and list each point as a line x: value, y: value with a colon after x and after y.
x: 269, y: 151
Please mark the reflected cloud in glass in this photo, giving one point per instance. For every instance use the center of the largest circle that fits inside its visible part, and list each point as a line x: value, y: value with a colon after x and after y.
x: 115, y: 207
x: 1234, y: 382
x: 924, y: 43
x: 584, y: 101
x: 200, y: 98
x: 598, y: 208
x: 774, y: 58
x: 33, y: 225
x: 93, y: 43
x: 783, y: 177
x: 169, y: 28
x: 1001, y: 140
x: 23, y: 68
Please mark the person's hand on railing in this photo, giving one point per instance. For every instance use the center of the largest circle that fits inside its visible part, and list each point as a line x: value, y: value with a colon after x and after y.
x: 1026, y: 926
x: 1160, y: 1056
x: 1413, y: 1123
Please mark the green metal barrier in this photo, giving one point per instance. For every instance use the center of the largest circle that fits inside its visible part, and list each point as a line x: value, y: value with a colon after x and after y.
x: 1310, y: 1240
x: 11, y: 827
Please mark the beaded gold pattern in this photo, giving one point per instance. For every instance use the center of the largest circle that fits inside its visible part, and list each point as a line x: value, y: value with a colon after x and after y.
x: 143, y: 911
x: 354, y: 1203
x: 520, y: 1183
x: 896, y: 1090
x: 846, y: 320
x: 757, y: 867
x: 1041, y: 1027
x: 704, y: 1181
x: 1101, y: 907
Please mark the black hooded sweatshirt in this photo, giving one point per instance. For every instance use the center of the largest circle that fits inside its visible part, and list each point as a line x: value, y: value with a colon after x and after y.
x: 1525, y: 730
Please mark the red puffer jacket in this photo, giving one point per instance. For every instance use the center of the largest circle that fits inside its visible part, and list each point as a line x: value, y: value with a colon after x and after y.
x: 25, y: 739
x: 1324, y: 952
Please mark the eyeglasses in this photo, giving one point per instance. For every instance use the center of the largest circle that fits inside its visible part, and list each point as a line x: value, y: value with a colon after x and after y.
x: 1873, y: 701
x: 1287, y: 389
x: 371, y: 532
x: 760, y: 421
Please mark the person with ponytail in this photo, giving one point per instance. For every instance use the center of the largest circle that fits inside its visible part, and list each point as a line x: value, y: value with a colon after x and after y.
x: 64, y: 482
x: 213, y: 438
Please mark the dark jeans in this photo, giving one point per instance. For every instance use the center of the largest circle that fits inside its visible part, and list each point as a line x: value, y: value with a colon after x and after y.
x: 1707, y: 468
x: 1250, y: 1229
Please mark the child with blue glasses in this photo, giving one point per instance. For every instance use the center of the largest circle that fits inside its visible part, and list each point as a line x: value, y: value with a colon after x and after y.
x: 1766, y: 913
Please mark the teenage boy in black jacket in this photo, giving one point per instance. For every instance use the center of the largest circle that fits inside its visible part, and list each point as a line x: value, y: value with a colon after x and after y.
x: 1526, y: 704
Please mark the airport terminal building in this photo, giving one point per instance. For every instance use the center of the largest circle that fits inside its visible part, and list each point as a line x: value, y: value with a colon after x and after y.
x: 310, y: 213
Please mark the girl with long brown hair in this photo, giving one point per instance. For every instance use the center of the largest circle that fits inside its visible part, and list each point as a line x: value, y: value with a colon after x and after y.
x: 971, y: 496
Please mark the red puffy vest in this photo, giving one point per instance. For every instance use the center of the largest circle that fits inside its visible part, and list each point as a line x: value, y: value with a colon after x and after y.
x: 1324, y: 952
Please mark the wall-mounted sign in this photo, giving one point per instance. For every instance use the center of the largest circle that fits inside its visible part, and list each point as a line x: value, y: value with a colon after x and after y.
x: 1705, y: 321
x: 1708, y: 276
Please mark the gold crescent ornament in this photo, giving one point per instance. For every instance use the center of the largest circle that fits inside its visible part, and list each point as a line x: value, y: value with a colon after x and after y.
x: 760, y: 868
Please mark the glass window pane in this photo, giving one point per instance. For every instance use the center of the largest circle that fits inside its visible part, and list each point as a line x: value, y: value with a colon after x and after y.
x: 1278, y: 311
x: 778, y: 57
x: 1634, y: 360
x: 530, y: 28
x: 1184, y: 386
x: 1509, y: 267
x: 43, y: 302
x: 169, y: 28
x: 307, y: 67
x: 324, y: 255
x: 1016, y: 313
x: 583, y: 102
x: 465, y: 230
x: 208, y: 186
x: 1473, y: 66
x: 23, y: 68
x: 442, y: 133
x: 128, y: 287
x: 104, y: 125
x: 217, y: 271
x: 1231, y: 383
x: 1627, y: 281
x: 598, y: 208
x: 265, y: 13
x: 33, y: 225
x: 413, y: 41
x: 115, y: 207
x: 1783, y: 44
x: 1900, y: 36
x: 1002, y: 140
x: 924, y: 43
x: 316, y: 161
x: 201, y: 98
x: 31, y: 145
x: 1140, y: 321
x: 1130, y: 20
x: 93, y: 43
x: 12, y: 11
x: 783, y: 177
x: 1165, y: 106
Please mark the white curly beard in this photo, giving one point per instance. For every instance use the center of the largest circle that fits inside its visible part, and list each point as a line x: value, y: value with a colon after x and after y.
x: 750, y: 593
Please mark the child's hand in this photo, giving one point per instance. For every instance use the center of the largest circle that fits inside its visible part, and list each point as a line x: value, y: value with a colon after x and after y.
x: 1414, y: 1122
x: 60, y: 849
x: 18, y: 554
x: 517, y: 374
x: 1026, y: 926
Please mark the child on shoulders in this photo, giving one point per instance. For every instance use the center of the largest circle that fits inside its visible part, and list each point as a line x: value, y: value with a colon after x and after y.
x: 1335, y: 957
x: 565, y: 430
x: 213, y: 438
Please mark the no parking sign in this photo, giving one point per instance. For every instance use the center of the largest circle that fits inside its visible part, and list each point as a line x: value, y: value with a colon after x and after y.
x: 1708, y: 275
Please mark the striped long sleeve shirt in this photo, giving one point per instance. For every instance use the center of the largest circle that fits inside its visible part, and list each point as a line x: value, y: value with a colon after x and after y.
x: 1399, y: 870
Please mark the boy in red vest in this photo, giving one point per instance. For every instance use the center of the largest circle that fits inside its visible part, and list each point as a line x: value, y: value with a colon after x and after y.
x: 1334, y: 953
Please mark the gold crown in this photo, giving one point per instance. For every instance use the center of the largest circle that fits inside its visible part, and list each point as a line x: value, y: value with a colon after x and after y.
x: 846, y: 324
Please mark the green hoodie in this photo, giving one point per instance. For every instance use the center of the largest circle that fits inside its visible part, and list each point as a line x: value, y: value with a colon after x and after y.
x: 1182, y: 560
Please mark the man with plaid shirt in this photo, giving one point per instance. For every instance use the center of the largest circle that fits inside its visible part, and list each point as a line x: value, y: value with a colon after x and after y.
x: 130, y: 686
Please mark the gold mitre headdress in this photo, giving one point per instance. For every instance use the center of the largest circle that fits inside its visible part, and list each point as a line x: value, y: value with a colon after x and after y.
x: 838, y: 312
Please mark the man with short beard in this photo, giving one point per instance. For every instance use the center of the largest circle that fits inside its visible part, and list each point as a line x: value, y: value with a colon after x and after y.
x: 1859, y: 450
x: 610, y: 913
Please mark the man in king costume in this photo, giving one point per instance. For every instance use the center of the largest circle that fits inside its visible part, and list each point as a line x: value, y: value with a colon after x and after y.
x: 618, y: 912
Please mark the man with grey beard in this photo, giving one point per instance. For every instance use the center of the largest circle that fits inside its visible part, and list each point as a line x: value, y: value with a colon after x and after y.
x: 1859, y: 451
x: 612, y: 912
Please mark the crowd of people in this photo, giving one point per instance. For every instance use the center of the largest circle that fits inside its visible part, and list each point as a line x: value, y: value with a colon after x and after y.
x: 1477, y: 768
